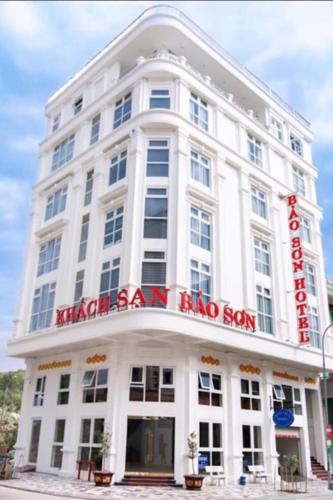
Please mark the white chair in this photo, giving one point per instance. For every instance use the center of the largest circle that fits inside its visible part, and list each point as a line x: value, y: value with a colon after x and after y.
x: 216, y: 474
x: 258, y: 472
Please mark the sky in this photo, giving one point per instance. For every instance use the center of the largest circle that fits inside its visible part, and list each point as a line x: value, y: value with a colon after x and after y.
x: 289, y: 45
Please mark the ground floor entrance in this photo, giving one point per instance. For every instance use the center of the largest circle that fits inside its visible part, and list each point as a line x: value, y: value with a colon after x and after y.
x: 150, y: 445
x: 288, y: 444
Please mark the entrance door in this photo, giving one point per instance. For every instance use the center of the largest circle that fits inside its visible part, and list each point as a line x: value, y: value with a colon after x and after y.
x: 150, y: 445
x: 34, y: 440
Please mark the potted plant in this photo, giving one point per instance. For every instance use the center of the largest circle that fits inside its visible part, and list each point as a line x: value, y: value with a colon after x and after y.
x: 193, y: 481
x: 289, y: 463
x: 103, y: 477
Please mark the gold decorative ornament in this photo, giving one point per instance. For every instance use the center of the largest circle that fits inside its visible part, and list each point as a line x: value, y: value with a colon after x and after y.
x: 210, y: 360
x: 55, y: 364
x: 254, y: 370
x: 285, y: 375
x: 97, y: 358
x: 309, y: 380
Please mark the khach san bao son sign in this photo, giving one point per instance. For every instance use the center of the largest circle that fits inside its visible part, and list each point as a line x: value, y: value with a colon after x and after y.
x: 157, y: 297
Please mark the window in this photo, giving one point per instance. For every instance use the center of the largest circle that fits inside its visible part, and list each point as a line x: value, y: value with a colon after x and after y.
x: 84, y: 238
x: 77, y: 105
x: 153, y: 273
x: 198, y: 111
x: 200, y: 228
x: 210, y: 444
x: 298, y: 181
x: 314, y: 330
x: 276, y: 128
x: 110, y: 280
x: 78, y: 290
x: 250, y: 395
x: 63, y: 393
x: 123, y: 110
x: 63, y: 153
x: 210, y: 389
x: 305, y: 229
x: 200, y: 280
x: 56, y: 122
x: 39, y: 391
x: 95, y: 386
x: 91, y: 434
x: 56, y: 203
x: 34, y: 440
x: 309, y: 271
x: 158, y: 158
x: 113, y: 227
x: 49, y: 256
x: 252, y: 446
x: 58, y: 442
x: 200, y: 168
x: 95, y: 126
x: 261, y: 256
x: 156, y: 213
x: 89, y: 188
x: 152, y: 383
x: 296, y: 144
x: 258, y: 202
x: 159, y: 98
x: 42, y: 307
x: 254, y: 149
x: 286, y: 396
x: 118, y: 167
x: 264, y: 309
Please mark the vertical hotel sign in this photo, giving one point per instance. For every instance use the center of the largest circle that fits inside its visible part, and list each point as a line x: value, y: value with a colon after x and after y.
x: 297, y: 261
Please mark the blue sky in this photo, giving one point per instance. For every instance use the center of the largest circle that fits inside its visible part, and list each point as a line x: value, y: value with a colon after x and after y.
x: 42, y: 44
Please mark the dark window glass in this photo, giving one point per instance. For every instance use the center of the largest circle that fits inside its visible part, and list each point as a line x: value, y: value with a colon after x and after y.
x: 204, y: 435
x: 246, y: 436
x: 152, y: 383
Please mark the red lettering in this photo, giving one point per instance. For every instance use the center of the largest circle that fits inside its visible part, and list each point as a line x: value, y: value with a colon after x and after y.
x: 302, y: 308
x: 299, y: 283
x: 103, y: 305
x: 91, y: 308
x: 186, y: 302
x: 81, y: 313
x: 122, y: 298
x: 158, y: 296
x: 60, y: 320
x: 303, y: 323
x: 298, y: 266
x: 212, y: 309
x: 304, y: 337
x: 70, y: 313
x: 293, y: 214
x: 292, y: 200
x: 297, y: 254
x: 250, y: 322
x: 294, y: 225
x: 296, y: 242
x: 239, y: 318
x: 138, y: 298
x: 200, y: 306
x: 228, y: 315
x: 300, y: 296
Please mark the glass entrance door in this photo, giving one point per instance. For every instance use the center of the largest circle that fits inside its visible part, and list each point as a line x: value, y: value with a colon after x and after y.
x: 150, y: 445
x: 34, y: 440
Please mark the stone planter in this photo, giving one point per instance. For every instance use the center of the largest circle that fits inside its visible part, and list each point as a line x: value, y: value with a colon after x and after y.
x: 194, y: 481
x: 103, y: 478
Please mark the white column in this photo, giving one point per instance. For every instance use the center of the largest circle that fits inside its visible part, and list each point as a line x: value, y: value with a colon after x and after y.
x: 24, y: 429
x: 235, y: 456
x: 268, y: 435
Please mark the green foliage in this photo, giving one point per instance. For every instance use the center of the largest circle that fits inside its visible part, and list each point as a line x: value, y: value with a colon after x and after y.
x: 105, y: 448
x: 289, y: 463
x: 193, y: 447
x: 11, y: 386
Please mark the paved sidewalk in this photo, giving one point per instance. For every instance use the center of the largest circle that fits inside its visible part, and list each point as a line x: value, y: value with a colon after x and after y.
x: 54, y: 485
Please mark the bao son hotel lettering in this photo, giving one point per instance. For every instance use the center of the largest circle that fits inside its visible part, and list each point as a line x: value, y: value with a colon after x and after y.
x: 174, y: 278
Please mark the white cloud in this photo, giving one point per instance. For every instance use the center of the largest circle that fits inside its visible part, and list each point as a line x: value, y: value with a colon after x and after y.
x: 13, y: 196
x: 25, y: 144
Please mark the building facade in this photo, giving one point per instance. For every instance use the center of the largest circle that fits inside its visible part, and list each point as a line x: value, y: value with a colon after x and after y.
x: 159, y: 295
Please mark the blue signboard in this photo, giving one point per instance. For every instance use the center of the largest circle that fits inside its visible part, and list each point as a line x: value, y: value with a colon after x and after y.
x: 203, y: 461
x: 283, y: 417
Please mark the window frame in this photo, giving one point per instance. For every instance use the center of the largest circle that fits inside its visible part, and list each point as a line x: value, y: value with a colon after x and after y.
x: 43, y: 314
x: 264, y: 314
x: 211, y: 450
x: 52, y: 263
x: 276, y: 128
x: 118, y: 163
x: 92, y: 445
x: 84, y: 237
x: 214, y: 395
x: 299, y: 183
x: 114, y: 217
x: 261, y: 253
x: 161, y: 96
x: 251, y: 396
x: 56, y: 203
x: 95, y: 129
x: 252, y: 449
x: 156, y: 167
x: 77, y: 105
x: 259, y: 202
x: 112, y: 269
x: 121, y: 113
x: 143, y: 384
x: 296, y: 144
x: 94, y: 386
x: 39, y: 394
x: 63, y: 390
x: 200, y: 167
x: 56, y: 444
x: 255, y: 152
x: 63, y: 152
x: 203, y: 271
x: 199, y: 111
x: 89, y: 187
x: 200, y: 227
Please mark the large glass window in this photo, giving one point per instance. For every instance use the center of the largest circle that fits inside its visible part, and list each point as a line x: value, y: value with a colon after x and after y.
x: 118, y: 167
x: 56, y: 122
x: 42, y: 307
x: 262, y: 259
x: 91, y: 434
x: 314, y: 329
x: 77, y: 105
x: 210, y: 389
x: 84, y: 237
x: 198, y: 111
x: 95, y: 126
x: 113, y: 227
x: 63, y: 153
x: 310, y: 278
x: 200, y: 228
x: 158, y: 158
x: 63, y: 393
x: 305, y: 228
x: 123, y: 110
x: 200, y: 280
x: 95, y: 386
x: 159, y: 98
x: 78, y: 290
x: 49, y: 256
x: 200, y: 168
x: 156, y: 213
x: 298, y: 181
x: 39, y: 391
x: 276, y: 128
x: 153, y: 273
x: 296, y: 144
x: 264, y: 309
x: 250, y: 395
x: 89, y: 187
x: 152, y: 383
x: 252, y: 446
x: 58, y: 442
x: 56, y: 203
x: 286, y: 396
x: 110, y: 280
x: 210, y: 444
x: 254, y: 149
x: 258, y: 202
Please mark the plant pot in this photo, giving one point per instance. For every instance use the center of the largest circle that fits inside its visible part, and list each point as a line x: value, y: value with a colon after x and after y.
x: 103, y: 478
x: 194, y: 481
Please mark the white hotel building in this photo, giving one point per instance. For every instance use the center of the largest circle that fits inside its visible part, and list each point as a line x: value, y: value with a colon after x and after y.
x: 167, y: 164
